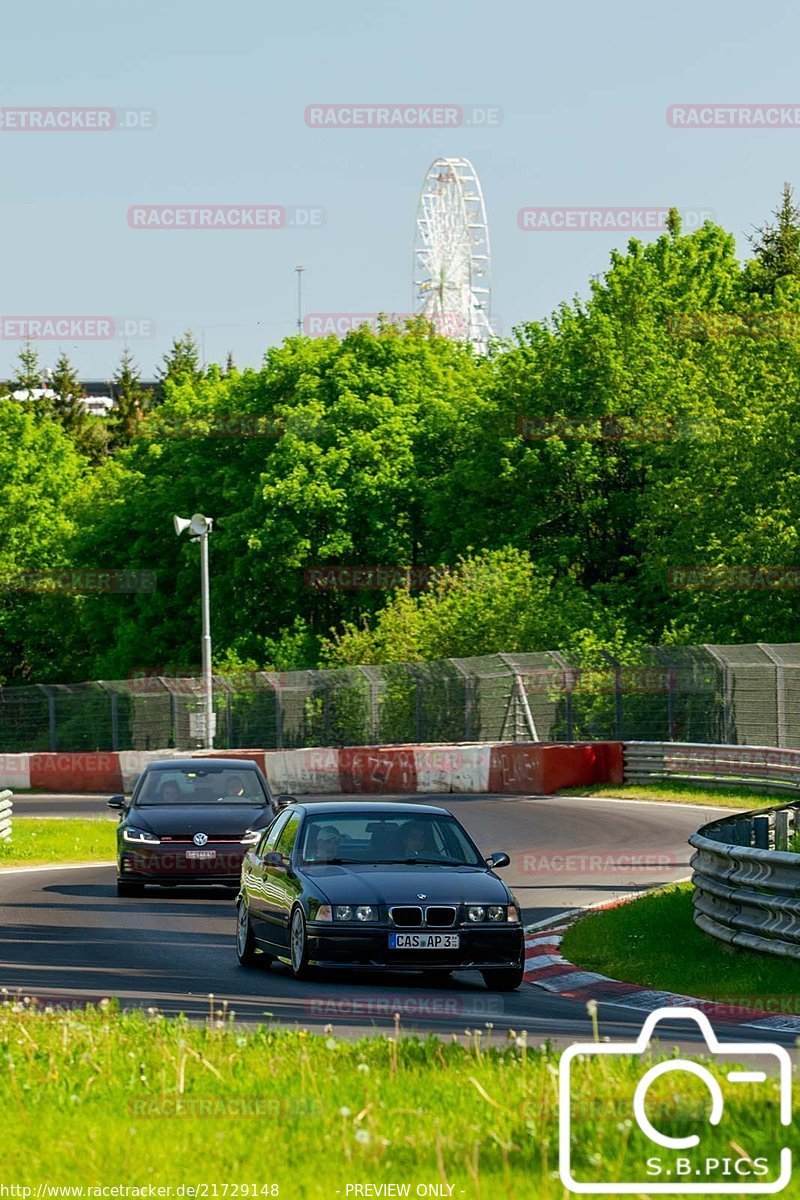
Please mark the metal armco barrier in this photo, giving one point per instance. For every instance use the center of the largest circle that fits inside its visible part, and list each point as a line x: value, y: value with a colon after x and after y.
x: 755, y: 767
x: 747, y: 883
x: 6, y: 801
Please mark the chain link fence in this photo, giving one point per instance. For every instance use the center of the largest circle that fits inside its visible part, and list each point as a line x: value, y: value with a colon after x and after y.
x: 732, y: 694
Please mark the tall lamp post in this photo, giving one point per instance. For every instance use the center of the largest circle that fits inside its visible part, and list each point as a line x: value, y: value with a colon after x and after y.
x: 200, y: 527
x: 299, y: 271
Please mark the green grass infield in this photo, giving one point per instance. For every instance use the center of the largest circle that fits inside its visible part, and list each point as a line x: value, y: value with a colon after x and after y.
x: 682, y: 793
x: 98, y: 1098
x: 653, y: 941
x: 38, y: 842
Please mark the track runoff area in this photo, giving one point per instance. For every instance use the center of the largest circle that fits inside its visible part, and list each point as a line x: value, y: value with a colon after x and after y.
x: 67, y: 939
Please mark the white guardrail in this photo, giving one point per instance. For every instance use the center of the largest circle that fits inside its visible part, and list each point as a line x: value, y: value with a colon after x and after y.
x: 755, y: 767
x: 6, y: 805
x: 746, y: 866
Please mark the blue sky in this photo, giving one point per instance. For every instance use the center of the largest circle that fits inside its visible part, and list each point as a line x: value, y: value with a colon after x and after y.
x: 583, y: 90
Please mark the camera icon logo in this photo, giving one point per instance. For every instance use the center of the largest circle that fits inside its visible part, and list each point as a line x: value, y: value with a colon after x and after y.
x: 681, y: 1166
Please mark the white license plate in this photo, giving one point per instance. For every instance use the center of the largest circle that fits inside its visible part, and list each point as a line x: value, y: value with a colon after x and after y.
x: 201, y: 854
x: 424, y: 941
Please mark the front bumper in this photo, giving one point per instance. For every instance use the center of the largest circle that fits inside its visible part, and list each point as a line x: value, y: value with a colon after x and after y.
x: 368, y: 948
x: 175, y: 863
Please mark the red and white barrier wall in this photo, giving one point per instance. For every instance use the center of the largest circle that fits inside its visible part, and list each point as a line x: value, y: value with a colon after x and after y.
x: 500, y: 767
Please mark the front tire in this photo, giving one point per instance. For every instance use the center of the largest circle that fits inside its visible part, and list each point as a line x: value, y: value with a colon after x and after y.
x: 507, y: 979
x: 245, y: 942
x: 129, y: 887
x: 298, y: 944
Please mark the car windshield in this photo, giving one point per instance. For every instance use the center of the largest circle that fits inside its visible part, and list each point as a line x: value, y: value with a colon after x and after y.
x: 201, y: 785
x: 387, y: 838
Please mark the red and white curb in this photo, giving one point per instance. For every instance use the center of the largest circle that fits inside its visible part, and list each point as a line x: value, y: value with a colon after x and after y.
x: 545, y: 967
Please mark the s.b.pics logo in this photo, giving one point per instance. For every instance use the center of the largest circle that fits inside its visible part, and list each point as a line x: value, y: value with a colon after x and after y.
x: 715, y: 1139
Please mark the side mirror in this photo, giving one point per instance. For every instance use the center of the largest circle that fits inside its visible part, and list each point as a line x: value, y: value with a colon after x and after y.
x: 497, y: 860
x: 283, y: 801
x: 274, y: 858
x: 116, y: 802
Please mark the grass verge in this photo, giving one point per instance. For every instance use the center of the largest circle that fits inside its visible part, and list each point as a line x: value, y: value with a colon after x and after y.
x: 681, y: 793
x: 94, y: 1097
x: 38, y: 842
x: 653, y: 941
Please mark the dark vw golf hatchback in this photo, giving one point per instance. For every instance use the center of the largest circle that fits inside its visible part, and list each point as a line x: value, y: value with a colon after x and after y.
x: 377, y: 886
x: 190, y: 821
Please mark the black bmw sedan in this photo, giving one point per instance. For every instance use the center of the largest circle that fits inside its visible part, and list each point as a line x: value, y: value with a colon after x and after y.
x: 377, y: 886
x: 190, y: 821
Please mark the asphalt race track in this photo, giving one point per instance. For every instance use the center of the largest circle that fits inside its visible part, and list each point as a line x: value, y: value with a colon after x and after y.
x: 66, y: 937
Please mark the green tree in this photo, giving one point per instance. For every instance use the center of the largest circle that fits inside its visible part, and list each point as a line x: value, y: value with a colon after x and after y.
x: 181, y: 365
x: 130, y: 402
x: 28, y: 374
x: 324, y: 456
x: 68, y: 406
x: 777, y: 247
x: 491, y: 602
x: 40, y: 476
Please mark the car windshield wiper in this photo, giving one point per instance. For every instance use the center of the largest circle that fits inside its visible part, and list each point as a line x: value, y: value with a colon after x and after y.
x: 332, y: 862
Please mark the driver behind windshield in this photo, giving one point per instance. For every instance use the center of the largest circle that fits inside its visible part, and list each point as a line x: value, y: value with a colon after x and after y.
x: 415, y: 839
x: 234, y: 786
x: 328, y: 841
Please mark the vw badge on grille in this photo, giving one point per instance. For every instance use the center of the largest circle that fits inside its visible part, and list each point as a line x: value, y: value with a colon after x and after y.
x: 200, y: 839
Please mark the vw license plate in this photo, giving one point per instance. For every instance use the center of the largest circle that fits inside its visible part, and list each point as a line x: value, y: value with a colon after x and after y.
x: 423, y: 941
x: 201, y: 854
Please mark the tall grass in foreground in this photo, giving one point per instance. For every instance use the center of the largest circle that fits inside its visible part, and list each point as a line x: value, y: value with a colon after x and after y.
x: 98, y: 1097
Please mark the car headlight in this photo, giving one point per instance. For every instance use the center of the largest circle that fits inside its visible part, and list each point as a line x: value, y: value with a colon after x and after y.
x: 495, y: 913
x: 251, y: 836
x: 355, y: 912
x: 140, y: 836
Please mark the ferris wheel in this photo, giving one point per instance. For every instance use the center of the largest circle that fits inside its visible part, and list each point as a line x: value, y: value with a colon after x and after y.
x: 452, y: 256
